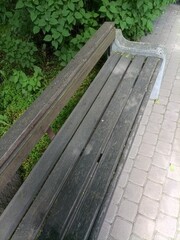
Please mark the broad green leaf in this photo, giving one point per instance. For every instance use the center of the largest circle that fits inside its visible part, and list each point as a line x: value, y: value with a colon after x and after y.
x: 78, y: 15
x: 53, y: 21
x: 42, y: 23
x: 55, y: 44
x: 113, y: 9
x: 109, y: 15
x: 33, y: 15
x: 70, y: 19
x: 123, y: 25
x: 125, y: 5
x: 48, y: 38
x: 40, y: 8
x: 103, y: 9
x: 65, y: 12
x: 71, y: 6
x: 65, y: 33
x: 139, y: 3
x: 129, y: 20
x: 19, y: 4
x: 36, y: 29
x: 56, y: 34
x: 149, y: 25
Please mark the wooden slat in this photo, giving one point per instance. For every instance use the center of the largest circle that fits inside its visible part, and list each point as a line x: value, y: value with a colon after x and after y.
x: 106, y: 201
x: 25, y: 195
x: 77, y: 181
x: 25, y: 133
x: 45, y: 198
x: 82, y: 222
x: 40, y: 207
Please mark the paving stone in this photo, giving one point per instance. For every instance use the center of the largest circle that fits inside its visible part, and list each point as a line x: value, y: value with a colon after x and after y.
x: 166, y: 225
x: 177, y: 133
x: 111, y: 213
x: 169, y: 206
x: 157, y: 174
x: 166, y: 136
x: 177, y: 84
x: 175, y: 98
x: 148, y: 110
x: 104, y: 232
x: 150, y: 103
x: 174, y: 173
x: 146, y: 150
x: 175, y: 90
x: 138, y: 176
x: 117, y: 195
x: 128, y: 165
x: 133, y: 237
x: 163, y: 100
x: 156, y: 118
x: 172, y: 106
x: 178, y: 236
x: 141, y: 130
x: 128, y: 210
x: 144, y: 120
x: 153, y: 127
x: 133, y: 192
x: 144, y: 228
x: 123, y: 179
x: 133, y: 151
x: 172, y: 188
x: 121, y: 229
x: 171, y: 126
x: 159, y: 109
x: 159, y: 237
x: 153, y: 190
x: 150, y: 138
x: 163, y: 148
x: 165, y: 92
x: 148, y: 207
x: 175, y: 158
x: 166, y: 85
x: 178, y: 224
x: 176, y: 145
x: 137, y: 140
x: 171, y: 116
x: 161, y: 160
x: 142, y: 162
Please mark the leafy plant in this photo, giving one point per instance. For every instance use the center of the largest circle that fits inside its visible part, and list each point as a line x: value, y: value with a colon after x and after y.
x: 134, y: 18
x: 27, y: 84
x: 17, y: 52
x: 58, y: 22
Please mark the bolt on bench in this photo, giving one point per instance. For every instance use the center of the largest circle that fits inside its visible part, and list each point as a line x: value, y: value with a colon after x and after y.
x: 64, y: 196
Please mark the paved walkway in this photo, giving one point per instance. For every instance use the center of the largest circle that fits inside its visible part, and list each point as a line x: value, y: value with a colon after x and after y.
x: 146, y: 202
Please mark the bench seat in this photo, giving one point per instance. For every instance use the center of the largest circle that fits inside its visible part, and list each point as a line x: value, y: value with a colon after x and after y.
x: 64, y: 193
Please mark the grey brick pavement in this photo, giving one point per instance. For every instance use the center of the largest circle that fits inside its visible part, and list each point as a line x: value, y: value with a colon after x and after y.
x: 146, y: 201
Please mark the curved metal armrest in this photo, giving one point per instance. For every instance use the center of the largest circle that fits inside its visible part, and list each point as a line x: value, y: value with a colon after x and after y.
x: 123, y: 45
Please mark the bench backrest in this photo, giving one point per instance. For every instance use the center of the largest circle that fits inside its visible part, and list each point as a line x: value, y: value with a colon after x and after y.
x: 16, y: 144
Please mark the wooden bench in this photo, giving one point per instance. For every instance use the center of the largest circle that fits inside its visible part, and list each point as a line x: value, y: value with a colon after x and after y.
x: 64, y: 195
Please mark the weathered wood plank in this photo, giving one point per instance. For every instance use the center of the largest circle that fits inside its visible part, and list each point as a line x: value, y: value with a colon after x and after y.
x: 24, y: 134
x: 27, y: 192
x: 81, y: 224
x: 77, y: 181
x: 106, y: 201
x: 47, y: 195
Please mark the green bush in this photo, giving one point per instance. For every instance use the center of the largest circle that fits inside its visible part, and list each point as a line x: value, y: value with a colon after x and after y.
x: 134, y: 18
